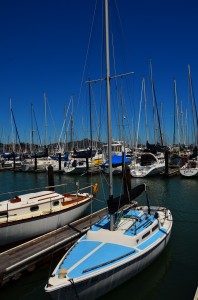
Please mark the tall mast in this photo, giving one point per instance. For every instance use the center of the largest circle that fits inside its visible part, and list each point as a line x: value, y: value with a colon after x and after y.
x: 155, y: 107
x: 194, y: 108
x: 145, y: 109
x: 177, y: 111
x: 45, y: 107
x: 139, y: 116
x: 72, y: 122
x: 11, y: 120
x: 90, y: 117
x: 109, y: 109
x: 32, y: 131
x: 153, y: 103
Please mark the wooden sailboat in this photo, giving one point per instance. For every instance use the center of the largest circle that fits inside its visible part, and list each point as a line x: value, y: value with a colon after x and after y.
x: 26, y: 216
x: 118, y: 246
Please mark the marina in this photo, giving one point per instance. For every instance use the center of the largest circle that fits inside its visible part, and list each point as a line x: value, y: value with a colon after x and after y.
x: 98, y: 180
x: 179, y: 260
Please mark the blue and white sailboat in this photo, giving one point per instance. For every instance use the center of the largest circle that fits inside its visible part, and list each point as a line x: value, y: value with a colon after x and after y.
x: 118, y: 246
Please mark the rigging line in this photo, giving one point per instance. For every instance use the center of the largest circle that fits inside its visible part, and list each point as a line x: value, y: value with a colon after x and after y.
x: 55, y: 239
x: 96, y: 113
x: 39, y: 188
x: 59, y: 140
x: 99, y: 200
x: 37, y: 126
x: 16, y: 128
x: 124, y: 43
x: 158, y: 118
x: 56, y: 132
x: 116, y: 84
x: 139, y: 116
x: 122, y: 36
x: 87, y: 52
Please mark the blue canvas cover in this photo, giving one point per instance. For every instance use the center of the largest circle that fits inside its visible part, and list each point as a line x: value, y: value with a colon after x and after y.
x: 117, y: 160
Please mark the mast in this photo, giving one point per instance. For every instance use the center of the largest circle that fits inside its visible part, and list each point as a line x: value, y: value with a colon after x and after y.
x: 139, y: 116
x: 155, y: 110
x: 145, y: 110
x: 108, y: 109
x: 177, y: 112
x: 45, y: 107
x: 72, y: 122
x: 11, y: 120
x: 194, y: 108
x: 32, y: 131
x: 65, y: 138
x: 90, y: 117
x: 153, y: 102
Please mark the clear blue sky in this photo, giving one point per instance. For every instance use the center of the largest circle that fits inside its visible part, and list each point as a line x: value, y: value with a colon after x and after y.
x: 44, y: 45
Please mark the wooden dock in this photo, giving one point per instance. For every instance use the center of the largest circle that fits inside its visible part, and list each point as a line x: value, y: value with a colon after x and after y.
x: 26, y: 257
x: 171, y: 172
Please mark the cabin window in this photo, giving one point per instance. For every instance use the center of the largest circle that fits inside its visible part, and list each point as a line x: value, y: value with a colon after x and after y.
x: 34, y: 208
x: 145, y: 235
x: 155, y: 227
x: 3, y: 214
x: 55, y: 203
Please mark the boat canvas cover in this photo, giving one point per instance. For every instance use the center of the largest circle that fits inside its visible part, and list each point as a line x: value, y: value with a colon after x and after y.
x: 117, y: 160
x: 115, y: 204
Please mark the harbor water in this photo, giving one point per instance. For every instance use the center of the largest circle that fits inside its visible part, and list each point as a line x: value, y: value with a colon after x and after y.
x: 173, y: 275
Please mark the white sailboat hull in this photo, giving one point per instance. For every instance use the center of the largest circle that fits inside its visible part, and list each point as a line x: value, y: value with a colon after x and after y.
x: 190, y: 169
x: 147, y: 170
x: 27, y: 228
x: 189, y: 172
x: 96, y: 286
x: 113, y: 257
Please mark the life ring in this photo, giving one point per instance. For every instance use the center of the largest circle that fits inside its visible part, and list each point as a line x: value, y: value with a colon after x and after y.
x: 95, y: 188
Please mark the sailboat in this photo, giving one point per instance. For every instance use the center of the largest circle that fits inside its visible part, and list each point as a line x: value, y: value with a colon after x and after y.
x: 190, y: 168
x: 27, y: 216
x: 119, y: 245
x: 150, y: 165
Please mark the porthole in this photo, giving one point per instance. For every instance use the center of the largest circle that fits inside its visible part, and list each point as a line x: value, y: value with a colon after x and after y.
x: 34, y: 208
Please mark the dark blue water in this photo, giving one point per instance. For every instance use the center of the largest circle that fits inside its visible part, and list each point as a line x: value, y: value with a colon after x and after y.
x: 174, y: 275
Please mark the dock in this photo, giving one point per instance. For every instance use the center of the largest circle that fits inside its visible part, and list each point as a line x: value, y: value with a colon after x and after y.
x: 171, y: 172
x: 26, y: 257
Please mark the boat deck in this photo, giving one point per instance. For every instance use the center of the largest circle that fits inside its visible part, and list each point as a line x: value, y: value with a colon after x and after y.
x: 95, y: 252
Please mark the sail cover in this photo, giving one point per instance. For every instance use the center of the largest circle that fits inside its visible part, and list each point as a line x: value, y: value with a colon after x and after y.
x: 117, y: 159
x: 115, y: 204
